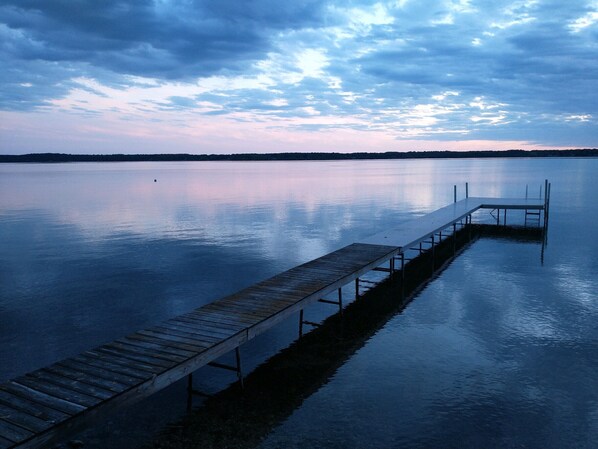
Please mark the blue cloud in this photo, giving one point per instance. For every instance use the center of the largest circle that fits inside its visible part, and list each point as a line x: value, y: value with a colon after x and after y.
x: 516, y: 70
x: 182, y: 41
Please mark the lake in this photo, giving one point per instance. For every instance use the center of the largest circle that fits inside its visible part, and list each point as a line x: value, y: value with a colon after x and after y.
x: 500, y: 350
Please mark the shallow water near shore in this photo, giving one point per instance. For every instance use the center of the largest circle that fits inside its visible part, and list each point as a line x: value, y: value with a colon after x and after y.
x: 498, y: 351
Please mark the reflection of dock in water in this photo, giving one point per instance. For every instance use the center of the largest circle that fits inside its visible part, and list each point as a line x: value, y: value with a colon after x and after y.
x: 49, y: 404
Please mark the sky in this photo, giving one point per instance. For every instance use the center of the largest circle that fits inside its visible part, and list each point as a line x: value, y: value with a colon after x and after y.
x: 230, y: 76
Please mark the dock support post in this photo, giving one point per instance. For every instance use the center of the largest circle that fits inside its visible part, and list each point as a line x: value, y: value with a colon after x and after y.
x: 433, y: 255
x: 356, y: 288
x: 239, y: 369
x: 469, y: 229
x: 455, y: 193
x: 466, y: 190
x: 402, y: 276
x: 189, y: 392
x: 338, y: 303
x: 402, y: 267
x: 236, y: 368
x: 311, y: 323
x: 454, y: 238
x: 548, y: 204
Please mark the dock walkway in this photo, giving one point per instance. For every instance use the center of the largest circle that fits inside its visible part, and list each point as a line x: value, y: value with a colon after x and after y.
x: 412, y: 232
x: 50, y: 403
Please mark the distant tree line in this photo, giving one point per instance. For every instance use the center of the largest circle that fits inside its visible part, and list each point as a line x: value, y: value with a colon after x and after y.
x: 61, y: 157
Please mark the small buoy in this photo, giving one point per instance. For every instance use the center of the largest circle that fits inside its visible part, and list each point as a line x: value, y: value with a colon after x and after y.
x: 155, y: 180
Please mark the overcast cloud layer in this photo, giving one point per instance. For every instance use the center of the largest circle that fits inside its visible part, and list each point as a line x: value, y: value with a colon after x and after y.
x: 87, y: 76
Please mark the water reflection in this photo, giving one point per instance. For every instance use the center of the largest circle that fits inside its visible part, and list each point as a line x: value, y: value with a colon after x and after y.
x: 499, y: 351
x: 91, y: 252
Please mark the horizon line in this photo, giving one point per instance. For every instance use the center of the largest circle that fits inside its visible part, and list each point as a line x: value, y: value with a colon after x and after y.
x: 292, y: 156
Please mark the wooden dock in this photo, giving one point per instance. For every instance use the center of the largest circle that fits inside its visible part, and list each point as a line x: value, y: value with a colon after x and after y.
x: 49, y: 404
x: 413, y: 232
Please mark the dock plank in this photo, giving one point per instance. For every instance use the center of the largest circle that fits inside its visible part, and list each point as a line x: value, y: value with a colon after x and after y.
x: 226, y: 329
x: 61, y: 405
x: 5, y: 444
x: 86, y: 378
x: 251, y: 306
x: 124, y: 361
x: 168, y: 343
x: 237, y: 312
x: 13, y: 433
x: 96, y: 373
x: 213, y: 319
x: 177, y: 338
x: 220, y: 316
x: 214, y: 332
x: 110, y: 365
x: 78, y: 386
x: 25, y: 420
x: 188, y: 333
x: 158, y: 347
x: 159, y: 365
x: 31, y: 408
x: 60, y: 392
x: 140, y: 350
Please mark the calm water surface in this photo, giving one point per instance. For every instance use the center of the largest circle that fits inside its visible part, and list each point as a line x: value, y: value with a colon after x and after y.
x: 499, y: 351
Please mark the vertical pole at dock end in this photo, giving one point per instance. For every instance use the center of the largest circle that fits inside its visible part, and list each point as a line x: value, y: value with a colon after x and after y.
x: 547, y: 205
x: 549, y: 194
x: 466, y: 190
x: 455, y: 193
x: 545, y: 194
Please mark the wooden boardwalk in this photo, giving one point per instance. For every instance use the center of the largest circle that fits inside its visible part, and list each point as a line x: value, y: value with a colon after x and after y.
x: 413, y: 232
x: 48, y: 404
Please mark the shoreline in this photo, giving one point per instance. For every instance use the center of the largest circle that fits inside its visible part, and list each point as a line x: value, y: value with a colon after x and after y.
x: 242, y: 157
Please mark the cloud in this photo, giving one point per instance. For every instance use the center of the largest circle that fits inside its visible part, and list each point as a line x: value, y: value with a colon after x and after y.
x: 163, y: 39
x: 438, y: 70
x: 53, y: 40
